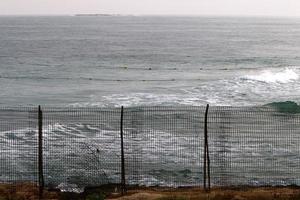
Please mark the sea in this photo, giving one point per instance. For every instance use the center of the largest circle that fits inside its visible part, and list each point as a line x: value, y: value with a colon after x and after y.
x: 109, y: 61
x: 163, y: 70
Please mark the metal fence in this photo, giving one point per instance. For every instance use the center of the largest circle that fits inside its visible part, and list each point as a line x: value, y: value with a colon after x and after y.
x: 162, y: 146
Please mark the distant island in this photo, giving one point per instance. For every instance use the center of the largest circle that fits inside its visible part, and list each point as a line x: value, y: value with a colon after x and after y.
x: 96, y: 15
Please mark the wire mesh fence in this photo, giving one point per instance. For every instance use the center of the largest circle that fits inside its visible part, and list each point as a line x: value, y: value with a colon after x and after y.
x: 163, y: 146
x: 254, y: 146
x: 18, y: 134
x: 81, y: 146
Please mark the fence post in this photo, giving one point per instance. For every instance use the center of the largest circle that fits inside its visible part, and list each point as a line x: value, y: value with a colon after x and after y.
x: 206, y: 164
x: 40, y: 151
x: 207, y: 149
x: 123, y: 181
x: 204, y: 161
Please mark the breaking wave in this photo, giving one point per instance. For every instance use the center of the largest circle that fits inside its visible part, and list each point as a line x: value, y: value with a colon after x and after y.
x: 284, y: 76
x: 289, y: 107
x: 249, y: 88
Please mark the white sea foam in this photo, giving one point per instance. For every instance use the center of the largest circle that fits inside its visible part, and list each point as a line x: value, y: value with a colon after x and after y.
x: 254, y: 88
x: 67, y: 187
x: 268, y: 76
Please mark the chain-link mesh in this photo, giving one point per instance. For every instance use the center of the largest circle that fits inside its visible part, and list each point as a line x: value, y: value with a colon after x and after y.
x: 163, y: 146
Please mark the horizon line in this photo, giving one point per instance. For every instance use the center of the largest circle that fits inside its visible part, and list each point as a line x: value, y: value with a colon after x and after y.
x: 148, y: 15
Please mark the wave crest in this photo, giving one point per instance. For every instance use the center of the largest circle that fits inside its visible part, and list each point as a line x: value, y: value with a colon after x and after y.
x: 285, y: 76
x: 286, y: 107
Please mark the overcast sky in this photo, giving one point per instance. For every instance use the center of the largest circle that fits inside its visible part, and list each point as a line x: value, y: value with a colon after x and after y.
x: 152, y: 7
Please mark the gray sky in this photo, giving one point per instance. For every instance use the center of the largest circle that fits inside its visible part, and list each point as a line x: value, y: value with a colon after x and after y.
x: 152, y: 7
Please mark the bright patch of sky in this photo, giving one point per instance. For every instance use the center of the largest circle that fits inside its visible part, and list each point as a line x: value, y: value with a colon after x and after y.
x: 152, y: 7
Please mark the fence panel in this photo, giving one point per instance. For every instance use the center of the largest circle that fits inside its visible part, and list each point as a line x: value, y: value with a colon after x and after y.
x: 18, y: 145
x: 254, y: 146
x: 164, y: 146
x: 81, y: 147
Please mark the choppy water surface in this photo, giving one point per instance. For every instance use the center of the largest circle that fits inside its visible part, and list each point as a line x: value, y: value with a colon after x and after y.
x: 113, y: 61
x: 144, y: 61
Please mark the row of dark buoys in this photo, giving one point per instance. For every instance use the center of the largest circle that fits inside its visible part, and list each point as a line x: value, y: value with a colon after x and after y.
x: 150, y: 68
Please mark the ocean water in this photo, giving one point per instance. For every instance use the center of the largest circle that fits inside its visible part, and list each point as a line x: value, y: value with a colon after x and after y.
x: 111, y: 61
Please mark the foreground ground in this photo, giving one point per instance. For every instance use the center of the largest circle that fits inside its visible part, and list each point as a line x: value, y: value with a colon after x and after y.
x: 30, y: 192
x: 215, y: 194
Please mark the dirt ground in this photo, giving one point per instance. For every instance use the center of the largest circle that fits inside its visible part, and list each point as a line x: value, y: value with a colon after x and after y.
x: 283, y: 193
x: 23, y: 191
x: 27, y: 191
